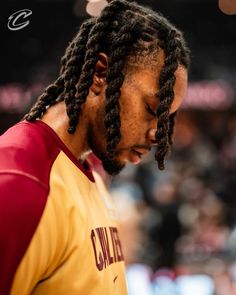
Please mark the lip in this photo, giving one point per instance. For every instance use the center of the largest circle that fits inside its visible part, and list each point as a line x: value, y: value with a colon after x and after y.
x: 135, y: 157
x: 142, y: 151
x: 137, y: 154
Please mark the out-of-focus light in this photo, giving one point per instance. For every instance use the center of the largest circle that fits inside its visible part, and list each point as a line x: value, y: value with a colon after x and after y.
x: 16, y: 98
x: 94, y: 7
x: 228, y: 6
x: 209, y: 95
x: 94, y: 1
x: 195, y: 284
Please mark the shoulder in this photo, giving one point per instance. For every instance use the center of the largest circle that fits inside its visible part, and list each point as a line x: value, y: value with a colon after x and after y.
x: 27, y: 149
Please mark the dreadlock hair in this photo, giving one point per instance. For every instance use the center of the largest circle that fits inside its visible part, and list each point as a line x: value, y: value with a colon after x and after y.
x: 123, y: 30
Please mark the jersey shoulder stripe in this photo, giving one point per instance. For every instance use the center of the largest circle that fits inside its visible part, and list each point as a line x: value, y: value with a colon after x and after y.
x: 26, y: 157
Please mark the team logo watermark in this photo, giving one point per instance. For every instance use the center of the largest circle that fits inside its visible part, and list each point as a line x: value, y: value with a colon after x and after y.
x: 17, y: 20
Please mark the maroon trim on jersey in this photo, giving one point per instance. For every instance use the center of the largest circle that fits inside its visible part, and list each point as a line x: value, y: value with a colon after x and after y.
x: 26, y: 148
x: 26, y: 158
x: 22, y: 202
x: 60, y: 143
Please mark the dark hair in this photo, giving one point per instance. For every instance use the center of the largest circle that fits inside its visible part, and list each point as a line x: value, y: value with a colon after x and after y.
x: 124, y: 29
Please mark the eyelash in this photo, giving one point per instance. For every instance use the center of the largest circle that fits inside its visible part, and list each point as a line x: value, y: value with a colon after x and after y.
x: 150, y: 111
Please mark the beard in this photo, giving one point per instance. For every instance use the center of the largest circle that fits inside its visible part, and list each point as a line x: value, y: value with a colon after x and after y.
x: 111, y: 165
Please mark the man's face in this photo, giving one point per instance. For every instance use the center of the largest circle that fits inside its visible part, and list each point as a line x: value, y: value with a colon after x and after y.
x: 138, y: 104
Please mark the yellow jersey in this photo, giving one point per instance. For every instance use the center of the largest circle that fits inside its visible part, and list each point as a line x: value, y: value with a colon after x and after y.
x: 63, y: 237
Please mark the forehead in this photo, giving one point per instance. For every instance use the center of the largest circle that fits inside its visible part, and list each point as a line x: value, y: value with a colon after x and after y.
x: 149, y: 77
x: 145, y: 81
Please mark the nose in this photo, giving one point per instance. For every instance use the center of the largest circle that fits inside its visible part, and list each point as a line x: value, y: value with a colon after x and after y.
x: 151, y: 136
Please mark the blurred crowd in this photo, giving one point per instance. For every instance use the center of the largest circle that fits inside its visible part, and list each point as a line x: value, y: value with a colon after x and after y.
x: 179, y: 226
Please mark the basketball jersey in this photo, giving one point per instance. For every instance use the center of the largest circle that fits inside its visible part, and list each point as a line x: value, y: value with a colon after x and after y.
x: 58, y: 232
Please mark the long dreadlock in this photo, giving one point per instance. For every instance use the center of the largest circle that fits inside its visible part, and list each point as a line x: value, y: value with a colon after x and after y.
x: 123, y: 29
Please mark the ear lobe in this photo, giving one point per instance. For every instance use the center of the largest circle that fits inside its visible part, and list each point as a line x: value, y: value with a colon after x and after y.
x: 99, y: 76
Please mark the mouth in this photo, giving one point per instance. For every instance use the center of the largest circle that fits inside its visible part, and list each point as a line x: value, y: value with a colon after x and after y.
x: 137, y: 154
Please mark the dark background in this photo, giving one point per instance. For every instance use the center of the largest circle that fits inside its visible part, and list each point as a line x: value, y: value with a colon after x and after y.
x: 32, y: 55
x: 24, y: 53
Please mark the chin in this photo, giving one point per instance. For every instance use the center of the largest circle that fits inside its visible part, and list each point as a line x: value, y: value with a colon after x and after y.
x: 111, y: 166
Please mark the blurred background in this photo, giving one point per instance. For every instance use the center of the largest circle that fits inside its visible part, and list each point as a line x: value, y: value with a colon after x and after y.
x: 178, y: 226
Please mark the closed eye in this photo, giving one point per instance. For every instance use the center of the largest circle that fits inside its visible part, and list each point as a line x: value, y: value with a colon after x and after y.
x: 150, y: 111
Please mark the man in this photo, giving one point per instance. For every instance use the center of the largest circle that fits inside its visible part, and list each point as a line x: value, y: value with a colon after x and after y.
x: 122, y: 79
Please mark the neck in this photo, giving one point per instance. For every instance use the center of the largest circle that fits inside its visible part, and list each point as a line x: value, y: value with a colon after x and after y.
x: 56, y: 118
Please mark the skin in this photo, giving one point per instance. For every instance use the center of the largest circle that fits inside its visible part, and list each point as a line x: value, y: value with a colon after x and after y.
x: 138, y: 125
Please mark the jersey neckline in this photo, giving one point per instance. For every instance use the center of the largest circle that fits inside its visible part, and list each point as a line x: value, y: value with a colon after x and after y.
x: 64, y: 148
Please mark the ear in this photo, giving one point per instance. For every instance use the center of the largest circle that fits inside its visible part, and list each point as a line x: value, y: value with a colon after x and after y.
x: 99, y: 76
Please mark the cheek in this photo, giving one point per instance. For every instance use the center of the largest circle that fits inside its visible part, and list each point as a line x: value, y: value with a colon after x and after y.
x: 97, y: 133
x: 176, y: 103
x: 132, y: 125
x: 180, y: 89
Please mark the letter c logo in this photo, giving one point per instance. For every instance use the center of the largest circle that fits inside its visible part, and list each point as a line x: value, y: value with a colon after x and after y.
x: 15, y: 20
